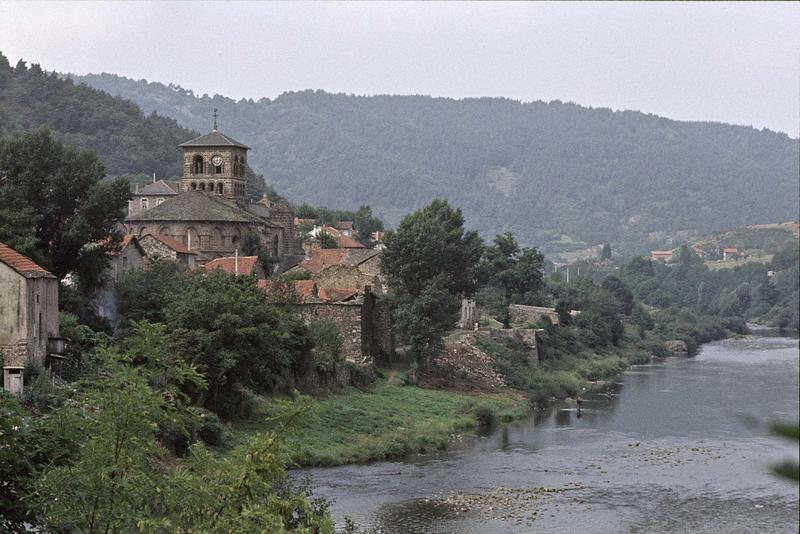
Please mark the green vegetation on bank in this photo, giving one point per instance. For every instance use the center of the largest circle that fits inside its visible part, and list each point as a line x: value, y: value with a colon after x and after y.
x: 389, y: 420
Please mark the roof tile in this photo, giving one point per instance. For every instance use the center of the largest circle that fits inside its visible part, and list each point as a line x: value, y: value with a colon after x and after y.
x: 22, y: 264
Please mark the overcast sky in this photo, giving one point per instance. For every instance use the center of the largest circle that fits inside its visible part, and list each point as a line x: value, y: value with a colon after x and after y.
x: 729, y: 62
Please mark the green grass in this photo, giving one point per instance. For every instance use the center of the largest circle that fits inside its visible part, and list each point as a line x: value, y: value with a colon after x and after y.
x: 390, y: 420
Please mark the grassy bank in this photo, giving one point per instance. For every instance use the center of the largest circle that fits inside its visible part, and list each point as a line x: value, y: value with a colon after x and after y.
x: 390, y: 420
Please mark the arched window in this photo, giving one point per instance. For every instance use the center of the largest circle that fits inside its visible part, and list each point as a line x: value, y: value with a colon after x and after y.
x: 142, y: 230
x: 219, y: 187
x: 202, y: 186
x: 194, y: 186
x: 216, y: 238
x: 275, y: 246
x: 191, y: 239
x: 164, y: 230
x: 144, y: 202
x: 217, y: 169
x: 197, y: 165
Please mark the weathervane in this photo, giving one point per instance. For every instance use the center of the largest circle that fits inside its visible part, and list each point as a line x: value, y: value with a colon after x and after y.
x: 215, y: 119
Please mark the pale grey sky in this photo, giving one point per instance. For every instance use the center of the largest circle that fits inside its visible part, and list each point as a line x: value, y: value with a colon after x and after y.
x: 728, y: 62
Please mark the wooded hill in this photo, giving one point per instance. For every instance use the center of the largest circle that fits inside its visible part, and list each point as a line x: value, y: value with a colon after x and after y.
x: 127, y: 141
x: 557, y: 175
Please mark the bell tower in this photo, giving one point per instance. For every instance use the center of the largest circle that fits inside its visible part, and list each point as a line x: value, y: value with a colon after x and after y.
x: 216, y: 164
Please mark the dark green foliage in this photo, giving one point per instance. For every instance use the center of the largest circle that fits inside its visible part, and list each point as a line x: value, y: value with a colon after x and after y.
x: 144, y: 293
x: 326, y: 240
x: 605, y: 252
x: 245, y: 343
x: 55, y: 206
x: 251, y: 246
x: 431, y: 243
x: 365, y: 224
x: 539, y: 170
x: 620, y: 291
x: 127, y: 141
x: 516, y: 272
x: 430, y: 262
x: 327, y: 340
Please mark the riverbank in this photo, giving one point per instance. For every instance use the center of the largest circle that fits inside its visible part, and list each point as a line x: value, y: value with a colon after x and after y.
x: 390, y: 420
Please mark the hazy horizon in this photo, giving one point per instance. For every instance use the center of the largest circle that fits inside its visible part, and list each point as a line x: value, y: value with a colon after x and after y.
x: 734, y: 63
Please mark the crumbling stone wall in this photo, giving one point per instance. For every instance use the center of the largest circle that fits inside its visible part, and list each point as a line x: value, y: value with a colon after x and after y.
x: 520, y: 314
x: 463, y: 365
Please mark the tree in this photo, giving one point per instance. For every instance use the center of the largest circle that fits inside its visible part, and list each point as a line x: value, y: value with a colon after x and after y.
x: 428, y: 243
x: 326, y: 240
x: 54, y: 198
x: 620, y: 291
x: 605, y: 252
x: 366, y: 223
x: 430, y: 262
x: 517, y: 272
x: 245, y: 343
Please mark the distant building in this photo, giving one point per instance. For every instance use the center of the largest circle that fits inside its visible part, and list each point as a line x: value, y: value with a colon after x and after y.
x: 340, y: 268
x: 661, y: 255
x: 730, y: 253
x: 148, y: 196
x: 343, y: 239
x: 166, y: 248
x: 130, y: 255
x: 28, y: 316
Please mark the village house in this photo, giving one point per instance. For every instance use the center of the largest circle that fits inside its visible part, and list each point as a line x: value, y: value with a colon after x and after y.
x: 730, y: 253
x: 343, y: 239
x: 162, y: 247
x: 151, y: 195
x: 28, y: 316
x: 361, y: 318
x: 130, y: 255
x: 661, y: 255
x: 340, y: 268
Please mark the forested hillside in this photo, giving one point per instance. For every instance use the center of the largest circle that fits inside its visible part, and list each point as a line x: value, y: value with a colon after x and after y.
x: 127, y: 141
x: 551, y: 173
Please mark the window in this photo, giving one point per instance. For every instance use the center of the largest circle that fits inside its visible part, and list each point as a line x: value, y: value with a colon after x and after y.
x: 217, y: 169
x: 197, y: 165
x: 219, y: 187
x: 194, y: 186
x: 202, y: 186
x: 275, y: 247
x: 144, y: 202
x: 159, y: 201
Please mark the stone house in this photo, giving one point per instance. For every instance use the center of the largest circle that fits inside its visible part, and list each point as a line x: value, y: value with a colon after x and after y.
x: 344, y: 268
x: 362, y: 319
x: 148, y: 196
x: 130, y: 255
x: 166, y: 248
x: 28, y: 315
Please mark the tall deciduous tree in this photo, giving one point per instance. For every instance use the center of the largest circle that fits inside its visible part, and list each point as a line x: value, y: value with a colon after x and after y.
x: 56, y: 207
x: 516, y: 272
x: 430, y: 261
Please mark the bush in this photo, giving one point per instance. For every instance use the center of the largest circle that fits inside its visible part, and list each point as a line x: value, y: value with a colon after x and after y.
x: 485, y: 415
x: 328, y: 342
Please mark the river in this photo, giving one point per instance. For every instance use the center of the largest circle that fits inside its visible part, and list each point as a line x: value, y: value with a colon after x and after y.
x: 669, y: 450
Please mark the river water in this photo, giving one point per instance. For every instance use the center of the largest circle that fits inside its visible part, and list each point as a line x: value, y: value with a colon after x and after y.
x: 669, y: 450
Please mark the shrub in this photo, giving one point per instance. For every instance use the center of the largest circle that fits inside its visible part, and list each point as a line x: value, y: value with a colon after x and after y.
x: 485, y: 415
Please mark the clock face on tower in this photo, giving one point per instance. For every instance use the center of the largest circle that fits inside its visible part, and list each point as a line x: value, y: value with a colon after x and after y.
x: 216, y: 160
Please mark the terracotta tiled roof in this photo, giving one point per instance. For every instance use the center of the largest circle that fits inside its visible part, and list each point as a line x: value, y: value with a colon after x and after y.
x: 730, y: 249
x: 171, y: 242
x: 246, y: 264
x: 337, y: 295
x: 348, y: 242
x: 213, y: 139
x: 22, y: 264
x: 323, y: 257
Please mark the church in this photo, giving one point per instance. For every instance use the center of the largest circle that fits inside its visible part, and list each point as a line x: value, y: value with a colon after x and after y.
x: 209, y: 211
